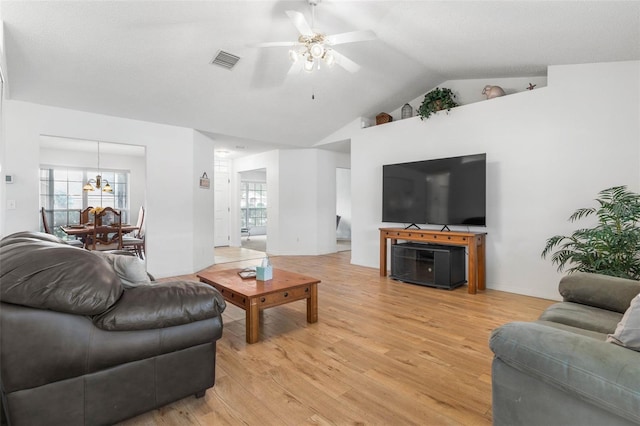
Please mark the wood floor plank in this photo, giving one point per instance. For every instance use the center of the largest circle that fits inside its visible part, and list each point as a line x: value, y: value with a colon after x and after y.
x: 382, y: 352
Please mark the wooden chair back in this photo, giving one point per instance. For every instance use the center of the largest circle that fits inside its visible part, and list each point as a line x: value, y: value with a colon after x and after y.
x: 139, y: 232
x: 135, y: 242
x: 85, y: 215
x: 45, y: 222
x: 107, y: 231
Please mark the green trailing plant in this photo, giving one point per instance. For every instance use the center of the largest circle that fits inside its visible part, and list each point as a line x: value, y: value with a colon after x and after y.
x: 612, y: 247
x: 437, y: 100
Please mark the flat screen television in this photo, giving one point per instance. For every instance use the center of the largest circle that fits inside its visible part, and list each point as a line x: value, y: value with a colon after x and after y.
x: 444, y: 191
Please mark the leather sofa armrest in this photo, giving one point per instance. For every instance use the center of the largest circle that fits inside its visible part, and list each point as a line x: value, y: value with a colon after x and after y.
x: 604, y: 374
x: 161, y: 305
x: 600, y: 291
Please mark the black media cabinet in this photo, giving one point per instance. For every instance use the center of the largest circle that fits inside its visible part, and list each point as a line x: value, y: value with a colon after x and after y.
x: 428, y: 264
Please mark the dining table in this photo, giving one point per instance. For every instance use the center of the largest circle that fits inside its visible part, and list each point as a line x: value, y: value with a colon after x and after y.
x: 82, y: 231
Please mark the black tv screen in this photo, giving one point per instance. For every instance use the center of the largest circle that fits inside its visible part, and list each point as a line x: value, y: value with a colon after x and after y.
x: 444, y: 191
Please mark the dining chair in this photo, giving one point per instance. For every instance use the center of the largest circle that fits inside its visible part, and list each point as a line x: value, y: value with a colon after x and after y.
x: 45, y: 222
x: 107, y: 231
x: 85, y: 215
x: 47, y: 229
x: 135, y: 242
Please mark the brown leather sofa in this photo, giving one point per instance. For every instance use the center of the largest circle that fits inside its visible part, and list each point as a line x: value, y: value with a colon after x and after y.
x: 77, y: 348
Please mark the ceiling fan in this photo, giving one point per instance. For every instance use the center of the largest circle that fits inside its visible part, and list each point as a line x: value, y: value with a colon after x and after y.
x: 314, y: 48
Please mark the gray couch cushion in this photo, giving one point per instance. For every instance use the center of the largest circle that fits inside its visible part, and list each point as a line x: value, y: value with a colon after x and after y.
x: 600, y: 291
x: 595, y: 371
x: 582, y: 316
x: 49, y: 275
x: 588, y: 333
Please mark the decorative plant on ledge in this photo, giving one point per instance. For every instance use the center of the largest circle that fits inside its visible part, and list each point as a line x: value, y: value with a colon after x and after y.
x: 612, y: 247
x: 437, y: 100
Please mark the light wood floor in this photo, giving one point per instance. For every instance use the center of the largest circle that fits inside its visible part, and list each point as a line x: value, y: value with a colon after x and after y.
x: 382, y: 353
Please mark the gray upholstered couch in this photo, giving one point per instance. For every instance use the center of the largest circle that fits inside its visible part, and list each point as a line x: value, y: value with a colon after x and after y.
x: 78, y: 348
x: 560, y: 369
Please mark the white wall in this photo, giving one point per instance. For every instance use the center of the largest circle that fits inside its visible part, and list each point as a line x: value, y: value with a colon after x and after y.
x: 203, y: 202
x: 3, y: 94
x: 549, y: 152
x: 171, y: 168
x: 301, y: 187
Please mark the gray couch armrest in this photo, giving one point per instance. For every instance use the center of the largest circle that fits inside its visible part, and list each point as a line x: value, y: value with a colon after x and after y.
x: 601, y: 373
x: 597, y: 290
x: 161, y: 305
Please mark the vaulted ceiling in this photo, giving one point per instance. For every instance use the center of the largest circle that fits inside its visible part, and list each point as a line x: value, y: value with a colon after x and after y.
x: 150, y: 60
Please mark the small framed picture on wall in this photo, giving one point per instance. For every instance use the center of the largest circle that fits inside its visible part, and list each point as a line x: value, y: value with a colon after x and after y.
x: 204, y: 181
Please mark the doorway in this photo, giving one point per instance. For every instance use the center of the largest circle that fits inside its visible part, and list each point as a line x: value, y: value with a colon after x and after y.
x: 253, y: 210
x: 343, y: 209
x: 221, y: 187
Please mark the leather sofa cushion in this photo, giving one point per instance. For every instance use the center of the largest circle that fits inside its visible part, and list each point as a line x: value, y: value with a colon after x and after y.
x: 162, y: 305
x: 30, y: 236
x: 48, y: 275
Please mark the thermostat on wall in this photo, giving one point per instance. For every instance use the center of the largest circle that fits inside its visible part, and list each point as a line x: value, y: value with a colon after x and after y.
x: 8, y: 179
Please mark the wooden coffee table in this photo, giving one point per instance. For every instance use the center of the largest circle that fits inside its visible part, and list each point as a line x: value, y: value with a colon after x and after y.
x: 252, y: 295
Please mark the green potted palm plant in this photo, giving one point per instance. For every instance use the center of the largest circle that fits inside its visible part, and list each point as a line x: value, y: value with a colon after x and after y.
x: 437, y: 100
x: 612, y: 247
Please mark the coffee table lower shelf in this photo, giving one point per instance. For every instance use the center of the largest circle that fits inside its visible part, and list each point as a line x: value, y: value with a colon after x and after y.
x: 252, y: 295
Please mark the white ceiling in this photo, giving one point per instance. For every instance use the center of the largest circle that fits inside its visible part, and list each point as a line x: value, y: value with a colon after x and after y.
x: 150, y: 60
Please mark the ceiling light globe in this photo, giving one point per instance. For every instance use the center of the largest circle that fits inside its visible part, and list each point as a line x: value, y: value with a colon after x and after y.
x: 317, y: 50
x: 293, y: 55
x: 308, y: 66
x: 329, y: 59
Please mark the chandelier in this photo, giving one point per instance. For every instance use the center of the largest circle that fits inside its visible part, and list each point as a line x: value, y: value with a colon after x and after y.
x: 312, y: 50
x: 97, y: 183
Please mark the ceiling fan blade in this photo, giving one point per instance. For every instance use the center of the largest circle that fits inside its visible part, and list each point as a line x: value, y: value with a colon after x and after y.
x: 300, y: 22
x: 296, y: 67
x: 345, y: 62
x: 351, y: 37
x: 275, y: 44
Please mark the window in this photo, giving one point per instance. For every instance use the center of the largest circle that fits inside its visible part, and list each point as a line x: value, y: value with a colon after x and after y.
x: 62, y: 196
x: 253, y: 204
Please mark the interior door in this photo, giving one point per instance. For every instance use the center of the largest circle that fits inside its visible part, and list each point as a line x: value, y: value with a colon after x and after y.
x: 221, y: 185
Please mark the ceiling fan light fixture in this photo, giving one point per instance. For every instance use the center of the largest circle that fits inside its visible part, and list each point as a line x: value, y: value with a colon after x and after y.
x: 328, y: 58
x: 308, y: 65
x: 316, y: 50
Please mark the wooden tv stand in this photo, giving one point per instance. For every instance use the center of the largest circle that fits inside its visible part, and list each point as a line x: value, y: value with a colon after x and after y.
x: 473, y: 241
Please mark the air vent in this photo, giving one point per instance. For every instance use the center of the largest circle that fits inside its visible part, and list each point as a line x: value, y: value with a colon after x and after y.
x: 225, y: 59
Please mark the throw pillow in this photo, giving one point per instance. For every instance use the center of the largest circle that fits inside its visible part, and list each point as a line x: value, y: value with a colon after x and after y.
x: 627, y: 332
x: 130, y: 269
